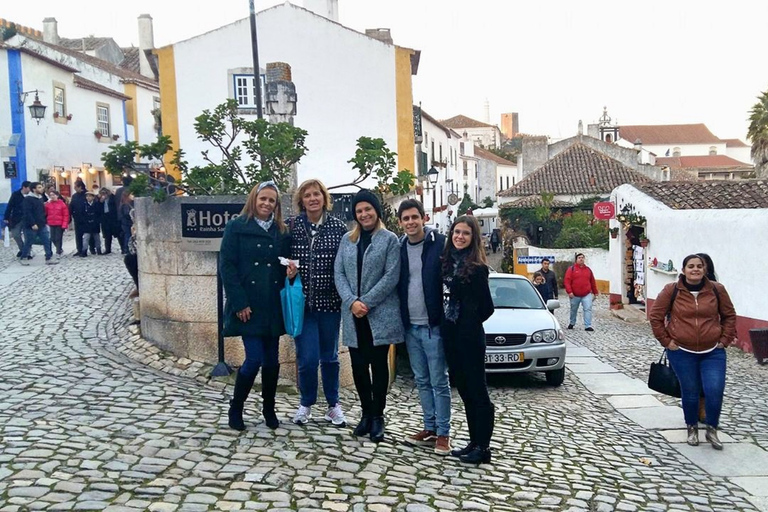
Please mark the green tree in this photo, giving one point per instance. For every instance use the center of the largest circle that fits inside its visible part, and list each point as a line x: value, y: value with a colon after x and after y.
x: 466, y: 203
x: 487, y: 202
x: 758, y: 134
x: 506, y: 155
x: 581, y: 230
x: 7, y: 32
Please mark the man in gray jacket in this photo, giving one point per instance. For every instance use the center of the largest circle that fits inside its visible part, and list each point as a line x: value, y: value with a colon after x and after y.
x: 549, y: 276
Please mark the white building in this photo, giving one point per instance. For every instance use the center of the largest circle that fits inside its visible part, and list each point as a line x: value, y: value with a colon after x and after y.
x: 348, y: 84
x: 482, y: 134
x: 726, y: 219
x: 90, y: 104
x: 496, y: 174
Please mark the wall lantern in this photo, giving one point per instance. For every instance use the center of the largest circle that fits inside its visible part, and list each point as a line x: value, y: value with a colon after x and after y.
x: 433, y: 174
x: 36, y: 109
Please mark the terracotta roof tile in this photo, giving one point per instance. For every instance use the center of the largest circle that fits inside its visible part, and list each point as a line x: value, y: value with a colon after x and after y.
x: 576, y: 170
x: 464, y: 122
x: 93, y: 86
x: 653, y: 135
x: 708, y: 195
x: 735, y: 143
x: 535, y: 202
x: 702, y: 161
x: 131, y: 61
x: 487, y: 155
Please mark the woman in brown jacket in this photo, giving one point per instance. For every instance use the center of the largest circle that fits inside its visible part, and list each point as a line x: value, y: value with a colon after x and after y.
x: 694, y: 320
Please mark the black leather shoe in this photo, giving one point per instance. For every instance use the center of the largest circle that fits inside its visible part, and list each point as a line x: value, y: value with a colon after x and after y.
x: 463, y: 451
x: 236, y: 416
x: 570, y: 326
x: 364, y: 427
x: 477, y: 456
x: 377, y: 429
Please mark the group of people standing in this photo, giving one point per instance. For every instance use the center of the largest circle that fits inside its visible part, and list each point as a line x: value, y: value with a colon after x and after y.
x: 38, y: 216
x: 426, y: 289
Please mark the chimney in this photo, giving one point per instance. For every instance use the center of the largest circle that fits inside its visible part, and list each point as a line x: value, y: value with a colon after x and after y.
x: 638, y: 145
x: 51, y: 31
x: 325, y: 8
x: 146, y: 42
x: 581, y: 127
x: 487, y: 110
x: 382, y: 34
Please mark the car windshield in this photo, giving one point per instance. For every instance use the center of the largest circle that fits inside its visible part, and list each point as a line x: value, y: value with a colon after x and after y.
x: 514, y: 294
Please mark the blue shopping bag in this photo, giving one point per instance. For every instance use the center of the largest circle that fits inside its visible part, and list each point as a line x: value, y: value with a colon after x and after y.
x: 292, y: 299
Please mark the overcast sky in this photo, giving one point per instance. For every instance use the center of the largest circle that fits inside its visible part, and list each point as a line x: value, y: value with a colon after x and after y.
x: 555, y: 62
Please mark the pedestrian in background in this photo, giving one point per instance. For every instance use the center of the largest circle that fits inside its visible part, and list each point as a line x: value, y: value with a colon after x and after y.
x: 495, y: 240
x: 549, y: 276
x: 35, y: 226
x: 694, y: 319
x: 91, y: 218
x: 122, y: 238
x: 131, y: 260
x: 580, y: 284
x: 421, y: 308
x: 542, y: 286
x: 76, y: 210
x: 253, y: 277
x: 125, y: 217
x: 315, y: 240
x: 109, y: 225
x: 57, y: 215
x: 467, y: 304
x: 367, y: 270
x: 14, y: 215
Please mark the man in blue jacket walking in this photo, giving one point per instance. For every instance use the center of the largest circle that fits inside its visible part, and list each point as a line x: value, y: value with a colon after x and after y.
x: 421, y: 308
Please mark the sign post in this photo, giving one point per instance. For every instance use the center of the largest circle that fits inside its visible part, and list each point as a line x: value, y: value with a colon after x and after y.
x: 202, y: 228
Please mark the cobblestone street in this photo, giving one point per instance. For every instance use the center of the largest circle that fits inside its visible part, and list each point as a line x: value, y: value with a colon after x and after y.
x: 87, y: 424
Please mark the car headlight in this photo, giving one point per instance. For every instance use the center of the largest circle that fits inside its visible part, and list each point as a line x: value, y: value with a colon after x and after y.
x: 545, y: 336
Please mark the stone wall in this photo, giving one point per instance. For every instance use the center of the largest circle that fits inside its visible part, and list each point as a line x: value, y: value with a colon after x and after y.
x: 178, y: 290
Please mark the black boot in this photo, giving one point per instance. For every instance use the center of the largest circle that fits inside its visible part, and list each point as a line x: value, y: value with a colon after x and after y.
x: 243, y: 385
x: 464, y: 451
x: 377, y: 429
x: 478, y: 455
x: 269, y: 378
x: 364, y: 427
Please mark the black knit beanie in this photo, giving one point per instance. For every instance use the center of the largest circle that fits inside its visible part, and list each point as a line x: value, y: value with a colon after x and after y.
x: 366, y: 196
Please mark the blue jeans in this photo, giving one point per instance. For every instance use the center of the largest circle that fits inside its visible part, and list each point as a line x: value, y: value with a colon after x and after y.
x: 318, y: 345
x: 29, y: 236
x: 430, y: 371
x: 696, y: 372
x: 586, y: 303
x: 259, y: 351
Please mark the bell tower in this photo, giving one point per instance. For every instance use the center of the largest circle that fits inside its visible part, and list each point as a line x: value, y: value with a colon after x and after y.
x: 609, y: 131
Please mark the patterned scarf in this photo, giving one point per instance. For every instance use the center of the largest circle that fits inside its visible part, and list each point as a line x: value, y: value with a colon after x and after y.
x: 451, y: 303
x: 266, y: 224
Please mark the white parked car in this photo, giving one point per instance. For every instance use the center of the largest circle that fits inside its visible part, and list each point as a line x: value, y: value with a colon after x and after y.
x: 523, y: 335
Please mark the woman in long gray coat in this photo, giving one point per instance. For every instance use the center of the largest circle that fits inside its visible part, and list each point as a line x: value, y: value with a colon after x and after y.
x: 367, y: 270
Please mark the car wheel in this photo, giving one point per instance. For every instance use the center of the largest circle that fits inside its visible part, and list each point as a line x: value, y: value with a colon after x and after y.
x: 555, y: 377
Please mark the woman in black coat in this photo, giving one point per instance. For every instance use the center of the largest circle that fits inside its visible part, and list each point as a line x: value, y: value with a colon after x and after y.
x: 253, y: 276
x: 468, y: 303
x: 110, y: 226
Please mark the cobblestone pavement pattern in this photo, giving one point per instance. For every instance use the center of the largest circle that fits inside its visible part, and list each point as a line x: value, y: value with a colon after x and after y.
x: 84, y: 427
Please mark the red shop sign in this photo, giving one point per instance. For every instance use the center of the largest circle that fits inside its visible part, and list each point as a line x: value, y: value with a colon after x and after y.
x: 604, y: 210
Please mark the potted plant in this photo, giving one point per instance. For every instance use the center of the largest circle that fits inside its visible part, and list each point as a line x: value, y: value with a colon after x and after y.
x: 616, y: 304
x: 644, y: 242
x: 69, y: 117
x: 98, y: 134
x: 55, y: 115
x: 614, y: 232
x: 115, y: 137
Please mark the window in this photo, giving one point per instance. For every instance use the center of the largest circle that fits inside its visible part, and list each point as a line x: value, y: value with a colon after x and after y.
x: 501, y: 182
x: 441, y: 151
x: 507, y: 181
x: 466, y: 169
x: 102, y: 119
x: 461, y: 148
x: 59, y: 106
x: 245, y: 91
x: 432, y: 145
x: 676, y: 151
x: 712, y: 150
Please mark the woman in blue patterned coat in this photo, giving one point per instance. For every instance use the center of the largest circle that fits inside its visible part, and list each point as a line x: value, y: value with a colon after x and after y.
x: 253, y: 277
x: 367, y: 272
x: 315, y: 239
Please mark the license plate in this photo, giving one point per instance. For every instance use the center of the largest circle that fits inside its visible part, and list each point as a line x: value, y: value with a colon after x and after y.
x: 515, y: 357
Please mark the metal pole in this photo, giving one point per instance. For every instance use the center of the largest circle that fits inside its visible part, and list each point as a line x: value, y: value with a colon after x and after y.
x: 256, y: 68
x: 221, y: 369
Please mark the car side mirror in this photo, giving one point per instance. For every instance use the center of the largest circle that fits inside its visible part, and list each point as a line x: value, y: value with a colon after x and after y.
x: 553, y: 304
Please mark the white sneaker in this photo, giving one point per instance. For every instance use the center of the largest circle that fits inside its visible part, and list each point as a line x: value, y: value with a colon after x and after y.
x: 336, y: 416
x: 303, y: 415
x: 24, y: 261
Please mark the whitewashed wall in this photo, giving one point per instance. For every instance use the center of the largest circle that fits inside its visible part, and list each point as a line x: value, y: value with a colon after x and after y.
x: 735, y: 239
x: 5, y: 124
x: 145, y: 119
x: 345, y: 83
x: 741, y: 154
x: 685, y: 149
x: 595, y: 259
x: 72, y: 143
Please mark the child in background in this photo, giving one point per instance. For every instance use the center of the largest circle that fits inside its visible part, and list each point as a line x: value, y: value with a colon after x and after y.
x: 57, y: 215
x: 542, y: 286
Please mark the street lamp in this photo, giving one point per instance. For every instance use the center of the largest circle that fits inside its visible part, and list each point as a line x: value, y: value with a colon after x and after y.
x: 36, y: 109
x: 432, y: 175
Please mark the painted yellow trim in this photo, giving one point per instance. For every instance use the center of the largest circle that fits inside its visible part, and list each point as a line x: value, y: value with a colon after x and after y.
x: 406, y: 151
x: 132, y: 110
x: 169, y: 108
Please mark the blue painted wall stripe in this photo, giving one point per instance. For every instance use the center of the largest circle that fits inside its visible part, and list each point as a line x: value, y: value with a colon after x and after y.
x: 17, y: 117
